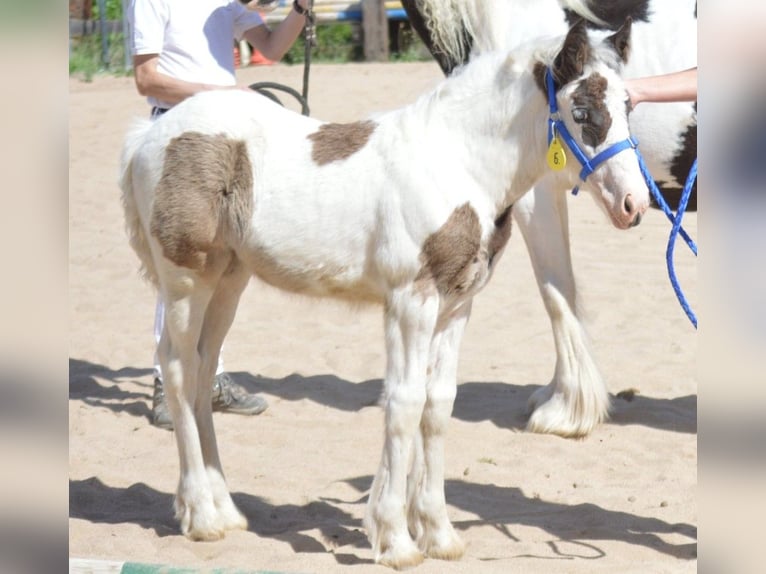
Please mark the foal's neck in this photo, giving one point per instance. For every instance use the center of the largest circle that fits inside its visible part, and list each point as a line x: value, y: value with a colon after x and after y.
x: 494, y: 115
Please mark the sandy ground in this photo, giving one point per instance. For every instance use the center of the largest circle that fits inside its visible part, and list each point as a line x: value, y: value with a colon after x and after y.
x: 621, y: 500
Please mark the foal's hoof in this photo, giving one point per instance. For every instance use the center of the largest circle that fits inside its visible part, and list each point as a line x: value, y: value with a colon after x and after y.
x: 199, y: 535
x: 452, y: 549
x: 401, y: 559
x: 401, y: 562
x: 198, y: 524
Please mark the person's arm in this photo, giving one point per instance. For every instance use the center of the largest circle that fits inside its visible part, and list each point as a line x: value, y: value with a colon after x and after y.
x: 151, y: 82
x: 274, y: 44
x: 673, y: 87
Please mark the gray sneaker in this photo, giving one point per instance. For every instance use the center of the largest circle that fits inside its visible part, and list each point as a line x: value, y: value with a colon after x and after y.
x: 160, y: 413
x: 228, y: 396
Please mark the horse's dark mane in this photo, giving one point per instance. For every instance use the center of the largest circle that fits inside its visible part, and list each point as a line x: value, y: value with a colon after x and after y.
x: 613, y: 13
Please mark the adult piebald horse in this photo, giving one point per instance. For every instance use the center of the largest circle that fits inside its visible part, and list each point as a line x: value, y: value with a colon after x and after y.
x: 664, y: 40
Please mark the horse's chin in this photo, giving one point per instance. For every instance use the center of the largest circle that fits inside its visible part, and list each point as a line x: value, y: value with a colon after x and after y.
x: 625, y: 220
x: 618, y: 218
x: 619, y: 223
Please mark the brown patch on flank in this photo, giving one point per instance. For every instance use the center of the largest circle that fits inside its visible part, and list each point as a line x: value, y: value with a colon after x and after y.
x: 449, y: 252
x: 204, y: 197
x: 335, y: 142
x: 501, y: 234
x: 590, y: 94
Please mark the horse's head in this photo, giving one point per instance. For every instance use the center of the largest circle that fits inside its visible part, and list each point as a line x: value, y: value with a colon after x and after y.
x: 589, y: 140
x: 260, y: 5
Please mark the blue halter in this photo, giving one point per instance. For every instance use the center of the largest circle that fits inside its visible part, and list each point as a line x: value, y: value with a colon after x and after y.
x: 555, y: 124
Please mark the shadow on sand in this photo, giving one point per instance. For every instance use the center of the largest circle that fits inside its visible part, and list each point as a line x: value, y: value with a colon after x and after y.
x: 501, y: 403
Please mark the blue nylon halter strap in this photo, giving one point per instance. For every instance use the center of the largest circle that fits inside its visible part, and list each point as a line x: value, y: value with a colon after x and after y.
x: 555, y: 124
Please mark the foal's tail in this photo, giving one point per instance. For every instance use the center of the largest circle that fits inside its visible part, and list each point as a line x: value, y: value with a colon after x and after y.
x: 133, y: 227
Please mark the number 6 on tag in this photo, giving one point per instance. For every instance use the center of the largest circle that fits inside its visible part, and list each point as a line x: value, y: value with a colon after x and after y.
x: 557, y: 159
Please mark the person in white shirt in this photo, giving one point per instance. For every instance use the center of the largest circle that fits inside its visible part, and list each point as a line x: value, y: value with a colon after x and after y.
x: 181, y: 48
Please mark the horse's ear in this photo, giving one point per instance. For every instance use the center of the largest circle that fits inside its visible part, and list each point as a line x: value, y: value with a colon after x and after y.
x: 570, y: 61
x: 620, y: 40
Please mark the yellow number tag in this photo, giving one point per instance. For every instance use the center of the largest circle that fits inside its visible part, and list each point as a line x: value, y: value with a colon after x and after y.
x: 557, y: 159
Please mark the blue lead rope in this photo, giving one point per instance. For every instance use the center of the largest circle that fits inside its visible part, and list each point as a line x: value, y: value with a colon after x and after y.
x: 676, y: 228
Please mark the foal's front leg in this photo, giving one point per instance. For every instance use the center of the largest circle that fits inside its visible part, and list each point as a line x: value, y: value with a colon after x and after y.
x: 410, y: 319
x: 428, y: 518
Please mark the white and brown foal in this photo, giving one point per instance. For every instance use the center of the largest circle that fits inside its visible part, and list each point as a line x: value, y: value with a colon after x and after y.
x: 409, y: 209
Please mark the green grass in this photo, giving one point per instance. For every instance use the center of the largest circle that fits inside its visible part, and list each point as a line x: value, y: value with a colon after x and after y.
x: 113, y: 9
x: 411, y: 47
x: 85, y: 56
x: 335, y: 44
x: 342, y: 42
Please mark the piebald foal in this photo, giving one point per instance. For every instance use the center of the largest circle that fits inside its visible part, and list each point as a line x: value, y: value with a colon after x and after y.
x: 409, y: 209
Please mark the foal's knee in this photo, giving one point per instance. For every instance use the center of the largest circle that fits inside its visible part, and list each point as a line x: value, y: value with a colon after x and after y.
x: 437, y: 412
x: 404, y: 409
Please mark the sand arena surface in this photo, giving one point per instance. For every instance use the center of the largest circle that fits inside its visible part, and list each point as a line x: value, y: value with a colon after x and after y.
x: 622, y: 500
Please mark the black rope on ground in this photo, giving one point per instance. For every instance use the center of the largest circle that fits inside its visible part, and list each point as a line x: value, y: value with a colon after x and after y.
x: 264, y: 88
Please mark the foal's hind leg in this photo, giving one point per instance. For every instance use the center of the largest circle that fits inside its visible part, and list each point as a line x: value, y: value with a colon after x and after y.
x: 218, y: 319
x: 576, y: 400
x: 186, y: 297
x: 410, y: 319
x: 428, y: 518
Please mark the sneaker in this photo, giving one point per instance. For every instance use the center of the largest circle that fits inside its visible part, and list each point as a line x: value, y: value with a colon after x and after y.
x: 230, y: 397
x: 160, y: 413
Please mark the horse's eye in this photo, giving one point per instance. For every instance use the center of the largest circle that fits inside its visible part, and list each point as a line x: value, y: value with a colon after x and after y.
x: 580, y: 115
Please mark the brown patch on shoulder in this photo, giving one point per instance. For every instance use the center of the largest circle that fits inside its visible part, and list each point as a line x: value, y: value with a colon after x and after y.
x: 204, y: 197
x: 501, y: 234
x: 335, y: 142
x: 590, y: 94
x: 449, y: 252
